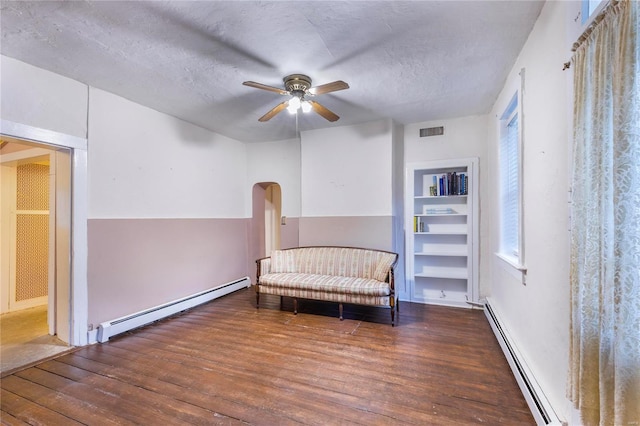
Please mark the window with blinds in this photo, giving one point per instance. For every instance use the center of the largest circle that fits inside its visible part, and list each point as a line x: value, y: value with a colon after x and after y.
x: 509, y: 182
x: 589, y: 9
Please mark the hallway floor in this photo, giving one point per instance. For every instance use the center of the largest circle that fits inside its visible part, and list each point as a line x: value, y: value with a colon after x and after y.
x: 24, y: 339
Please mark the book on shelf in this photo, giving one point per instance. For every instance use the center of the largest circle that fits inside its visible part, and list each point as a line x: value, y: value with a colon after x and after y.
x: 450, y: 183
x: 438, y: 210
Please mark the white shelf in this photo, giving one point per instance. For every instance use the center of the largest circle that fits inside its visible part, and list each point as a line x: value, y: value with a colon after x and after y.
x: 443, y: 272
x: 433, y: 197
x: 445, y: 297
x: 457, y: 251
x: 444, y: 301
x: 442, y: 233
x: 441, y: 214
x: 442, y: 260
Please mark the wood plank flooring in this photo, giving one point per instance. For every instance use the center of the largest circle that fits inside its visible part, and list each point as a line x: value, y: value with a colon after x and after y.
x: 228, y: 363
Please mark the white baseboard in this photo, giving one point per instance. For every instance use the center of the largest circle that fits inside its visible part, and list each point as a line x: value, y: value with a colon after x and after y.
x: 540, y: 407
x: 116, y: 326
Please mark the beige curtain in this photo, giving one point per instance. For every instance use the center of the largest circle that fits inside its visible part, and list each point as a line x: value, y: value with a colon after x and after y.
x: 605, y: 230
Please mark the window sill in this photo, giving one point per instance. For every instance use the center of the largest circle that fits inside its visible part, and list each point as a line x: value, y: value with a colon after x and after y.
x: 513, y: 264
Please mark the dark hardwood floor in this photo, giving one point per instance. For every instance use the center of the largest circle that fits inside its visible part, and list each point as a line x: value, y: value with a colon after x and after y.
x: 227, y: 363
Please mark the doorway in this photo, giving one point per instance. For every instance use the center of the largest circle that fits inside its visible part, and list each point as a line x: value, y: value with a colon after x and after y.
x: 35, y: 245
x: 266, y: 220
x: 272, y: 218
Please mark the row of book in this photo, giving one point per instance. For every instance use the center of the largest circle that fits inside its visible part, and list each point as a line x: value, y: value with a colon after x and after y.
x: 418, y: 224
x: 451, y: 183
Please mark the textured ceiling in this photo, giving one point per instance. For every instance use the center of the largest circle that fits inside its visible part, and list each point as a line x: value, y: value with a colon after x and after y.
x: 410, y: 61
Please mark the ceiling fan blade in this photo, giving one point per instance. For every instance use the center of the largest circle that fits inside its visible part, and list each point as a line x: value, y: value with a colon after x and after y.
x: 329, y: 87
x: 268, y: 116
x: 323, y: 111
x: 265, y: 87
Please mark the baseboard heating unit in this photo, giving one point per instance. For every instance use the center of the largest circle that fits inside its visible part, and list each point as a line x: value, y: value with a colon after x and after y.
x: 120, y: 325
x: 538, y: 404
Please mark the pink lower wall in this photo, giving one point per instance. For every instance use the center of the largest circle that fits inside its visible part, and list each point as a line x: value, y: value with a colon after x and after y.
x: 288, y: 239
x: 135, y: 264
x: 374, y: 232
x: 289, y: 233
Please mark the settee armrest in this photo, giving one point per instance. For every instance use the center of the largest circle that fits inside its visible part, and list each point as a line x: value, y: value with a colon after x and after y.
x: 391, y: 278
x: 263, y: 267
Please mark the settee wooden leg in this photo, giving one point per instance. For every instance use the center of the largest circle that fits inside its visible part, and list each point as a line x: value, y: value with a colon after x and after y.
x: 295, y: 306
x: 395, y: 304
x: 340, y: 311
x: 257, y: 300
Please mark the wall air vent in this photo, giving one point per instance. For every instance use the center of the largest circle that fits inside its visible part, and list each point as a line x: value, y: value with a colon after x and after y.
x: 432, y: 131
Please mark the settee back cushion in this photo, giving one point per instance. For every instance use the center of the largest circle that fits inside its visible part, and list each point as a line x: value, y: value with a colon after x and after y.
x: 283, y: 261
x: 342, y: 261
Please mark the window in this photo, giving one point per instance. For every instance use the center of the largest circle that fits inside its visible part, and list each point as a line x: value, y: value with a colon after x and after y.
x: 510, y: 234
x: 589, y: 7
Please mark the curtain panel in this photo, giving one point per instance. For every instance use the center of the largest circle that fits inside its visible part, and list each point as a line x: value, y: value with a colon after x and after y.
x: 605, y: 224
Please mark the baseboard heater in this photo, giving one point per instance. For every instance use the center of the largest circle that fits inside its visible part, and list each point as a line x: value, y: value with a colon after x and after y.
x: 120, y: 325
x: 538, y: 404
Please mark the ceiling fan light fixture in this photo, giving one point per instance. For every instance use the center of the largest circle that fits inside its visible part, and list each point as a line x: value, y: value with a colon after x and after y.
x: 294, y: 103
x: 306, y: 106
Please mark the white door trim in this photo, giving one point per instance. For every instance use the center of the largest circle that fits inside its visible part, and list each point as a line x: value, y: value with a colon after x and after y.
x: 78, y: 302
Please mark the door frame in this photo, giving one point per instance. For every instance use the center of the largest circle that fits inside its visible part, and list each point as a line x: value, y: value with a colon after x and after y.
x: 78, y: 289
x: 257, y: 246
x: 273, y: 217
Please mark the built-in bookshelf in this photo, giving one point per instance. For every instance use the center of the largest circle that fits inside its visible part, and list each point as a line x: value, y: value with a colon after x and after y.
x: 442, y: 229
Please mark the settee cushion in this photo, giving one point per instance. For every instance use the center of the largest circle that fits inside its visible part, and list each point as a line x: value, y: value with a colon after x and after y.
x: 326, y: 283
x: 283, y: 261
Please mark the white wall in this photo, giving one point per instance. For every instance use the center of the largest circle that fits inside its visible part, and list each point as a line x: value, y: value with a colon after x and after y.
x: 142, y: 166
x: 463, y: 137
x: 145, y: 164
x: 40, y: 105
x: 347, y: 171
x: 536, y: 315
x: 276, y: 162
x: 39, y: 98
x: 166, y: 208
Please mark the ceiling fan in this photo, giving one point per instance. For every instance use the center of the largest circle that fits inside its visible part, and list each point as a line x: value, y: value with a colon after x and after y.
x: 298, y: 86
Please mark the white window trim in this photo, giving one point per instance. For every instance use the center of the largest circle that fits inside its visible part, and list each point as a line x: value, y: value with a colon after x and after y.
x: 521, y: 124
x: 517, y: 264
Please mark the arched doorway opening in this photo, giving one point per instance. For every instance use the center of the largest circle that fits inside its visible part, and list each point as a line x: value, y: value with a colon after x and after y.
x: 266, y: 220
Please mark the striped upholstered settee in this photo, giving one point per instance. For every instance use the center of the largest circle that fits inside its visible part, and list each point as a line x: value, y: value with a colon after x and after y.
x: 336, y: 274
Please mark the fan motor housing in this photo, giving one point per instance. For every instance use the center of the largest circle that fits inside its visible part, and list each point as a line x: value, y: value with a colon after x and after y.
x: 297, y: 83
